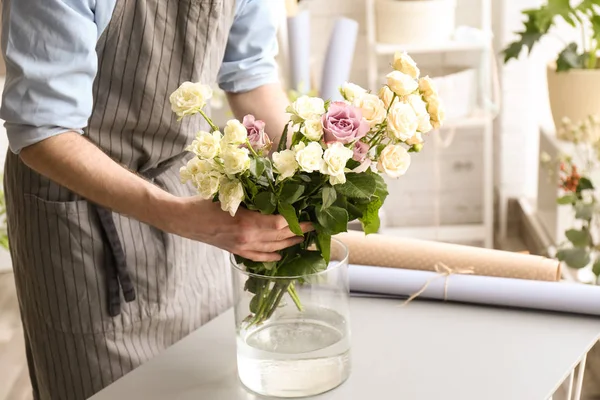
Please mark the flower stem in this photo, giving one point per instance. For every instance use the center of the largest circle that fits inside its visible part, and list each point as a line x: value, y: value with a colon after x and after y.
x: 251, y: 148
x: 212, y: 124
x: 294, y: 295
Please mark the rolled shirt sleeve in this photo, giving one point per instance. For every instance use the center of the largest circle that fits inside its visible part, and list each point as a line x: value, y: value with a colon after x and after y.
x: 249, y: 60
x: 50, y: 52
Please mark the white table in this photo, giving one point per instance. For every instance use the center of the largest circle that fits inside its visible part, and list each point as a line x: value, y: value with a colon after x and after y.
x: 423, y: 351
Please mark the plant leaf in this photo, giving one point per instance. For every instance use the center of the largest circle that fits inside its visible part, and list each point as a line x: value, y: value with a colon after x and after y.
x: 334, y: 220
x: 584, y: 184
x: 291, y: 192
x: 309, y: 262
x: 360, y: 186
x: 568, y: 59
x: 289, y: 213
x: 381, y: 189
x: 370, y: 218
x: 324, y: 245
x: 596, y: 267
x: 266, y: 202
x: 257, y: 167
x: 329, y: 196
x: 283, y: 140
x: 584, y: 211
x: 574, y: 258
x: 569, y: 198
x: 579, y: 238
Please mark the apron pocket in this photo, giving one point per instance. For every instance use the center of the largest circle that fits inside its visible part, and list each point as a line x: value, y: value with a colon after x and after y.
x: 67, y: 256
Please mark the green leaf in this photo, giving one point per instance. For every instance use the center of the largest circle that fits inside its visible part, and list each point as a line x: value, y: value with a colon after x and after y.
x: 283, y: 140
x: 352, y: 164
x: 574, y: 258
x: 329, y: 196
x: 266, y: 202
x: 370, y: 219
x: 304, y: 178
x: 570, y: 198
x: 381, y: 189
x: 584, y: 211
x: 334, y: 220
x: 257, y: 167
x: 360, y: 186
x: 596, y: 267
x: 354, y: 212
x: 291, y: 192
x: 568, y: 59
x: 251, y: 187
x: 324, y: 245
x: 255, y: 285
x: 584, y: 184
x: 289, y: 213
x: 538, y: 22
x: 579, y: 238
x: 309, y: 262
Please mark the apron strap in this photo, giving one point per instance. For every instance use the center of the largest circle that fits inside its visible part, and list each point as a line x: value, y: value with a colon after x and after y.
x: 116, y: 271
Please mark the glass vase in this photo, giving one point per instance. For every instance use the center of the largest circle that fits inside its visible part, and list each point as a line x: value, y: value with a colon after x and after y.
x: 301, y: 347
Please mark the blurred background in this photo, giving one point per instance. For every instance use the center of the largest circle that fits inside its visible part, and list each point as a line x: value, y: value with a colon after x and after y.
x: 498, y: 174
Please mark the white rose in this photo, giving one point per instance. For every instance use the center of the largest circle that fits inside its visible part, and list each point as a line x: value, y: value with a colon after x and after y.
x: 306, y: 107
x: 415, y: 140
x: 313, y: 129
x: 401, y: 83
x: 386, y: 95
x: 394, y: 161
x: 420, y: 108
x: 194, y: 167
x: 285, y: 164
x: 207, y: 184
x: 189, y: 98
x: 436, y: 111
x: 309, y: 157
x: 405, y: 64
x: 235, y: 132
x: 373, y: 109
x: 402, y: 122
x: 334, y: 162
x: 231, y: 195
x: 206, y: 145
x: 235, y: 160
x: 427, y: 87
x: 351, y: 92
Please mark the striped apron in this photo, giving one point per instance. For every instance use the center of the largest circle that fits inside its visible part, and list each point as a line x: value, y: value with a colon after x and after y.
x: 101, y: 293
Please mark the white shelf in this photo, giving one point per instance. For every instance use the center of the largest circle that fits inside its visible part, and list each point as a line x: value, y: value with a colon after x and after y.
x: 453, y: 46
x: 443, y: 233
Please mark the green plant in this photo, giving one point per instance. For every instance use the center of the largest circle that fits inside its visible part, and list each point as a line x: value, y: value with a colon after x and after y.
x: 584, y: 16
x: 582, y: 245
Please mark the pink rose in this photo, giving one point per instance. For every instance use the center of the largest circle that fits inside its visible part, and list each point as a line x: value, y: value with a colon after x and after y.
x: 360, y: 151
x: 344, y: 123
x: 257, y: 137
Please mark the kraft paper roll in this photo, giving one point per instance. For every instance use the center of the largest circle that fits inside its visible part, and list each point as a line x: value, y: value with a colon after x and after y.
x: 398, y: 252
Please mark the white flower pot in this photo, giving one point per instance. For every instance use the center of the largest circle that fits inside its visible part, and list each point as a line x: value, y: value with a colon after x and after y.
x: 574, y: 94
x: 414, y: 22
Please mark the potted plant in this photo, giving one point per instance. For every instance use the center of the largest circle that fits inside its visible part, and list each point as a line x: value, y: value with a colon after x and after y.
x: 577, y: 68
x: 578, y: 174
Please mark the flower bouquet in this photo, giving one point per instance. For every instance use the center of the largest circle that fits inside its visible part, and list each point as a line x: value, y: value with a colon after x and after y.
x: 326, y: 170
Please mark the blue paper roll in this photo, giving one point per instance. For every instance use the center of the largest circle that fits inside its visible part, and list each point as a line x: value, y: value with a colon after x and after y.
x: 338, y: 60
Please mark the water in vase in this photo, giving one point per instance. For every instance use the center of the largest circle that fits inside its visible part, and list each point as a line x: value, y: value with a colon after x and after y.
x: 296, y: 356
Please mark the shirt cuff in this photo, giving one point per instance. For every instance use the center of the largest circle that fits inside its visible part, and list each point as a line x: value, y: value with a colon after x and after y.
x: 249, y: 82
x: 21, y: 136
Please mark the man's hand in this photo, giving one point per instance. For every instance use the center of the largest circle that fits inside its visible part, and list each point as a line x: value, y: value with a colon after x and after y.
x: 249, y: 234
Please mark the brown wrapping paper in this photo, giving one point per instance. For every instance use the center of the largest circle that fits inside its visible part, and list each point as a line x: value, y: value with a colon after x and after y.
x: 398, y: 252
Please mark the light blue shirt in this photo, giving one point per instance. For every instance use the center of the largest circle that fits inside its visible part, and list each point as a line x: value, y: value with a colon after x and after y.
x: 50, y: 51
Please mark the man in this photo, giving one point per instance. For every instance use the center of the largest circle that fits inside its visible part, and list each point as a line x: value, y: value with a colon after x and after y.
x: 114, y: 258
